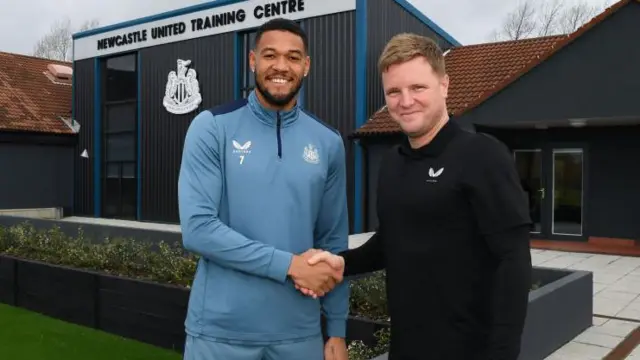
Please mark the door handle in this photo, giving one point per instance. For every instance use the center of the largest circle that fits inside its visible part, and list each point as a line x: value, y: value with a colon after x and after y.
x: 541, y: 190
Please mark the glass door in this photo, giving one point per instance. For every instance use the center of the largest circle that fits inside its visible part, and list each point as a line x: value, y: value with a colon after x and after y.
x: 568, y: 183
x: 529, y: 166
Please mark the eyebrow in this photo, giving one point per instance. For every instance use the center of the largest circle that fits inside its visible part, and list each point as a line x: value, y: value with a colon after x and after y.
x: 289, y: 52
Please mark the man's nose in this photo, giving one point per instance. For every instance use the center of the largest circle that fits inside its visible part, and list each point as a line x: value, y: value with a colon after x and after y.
x: 281, y: 64
x: 406, y: 100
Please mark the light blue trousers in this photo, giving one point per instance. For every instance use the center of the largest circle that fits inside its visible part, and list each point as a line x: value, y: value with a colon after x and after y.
x: 200, y: 349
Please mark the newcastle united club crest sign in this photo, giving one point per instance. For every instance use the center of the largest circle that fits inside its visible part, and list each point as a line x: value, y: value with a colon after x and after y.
x: 182, y: 93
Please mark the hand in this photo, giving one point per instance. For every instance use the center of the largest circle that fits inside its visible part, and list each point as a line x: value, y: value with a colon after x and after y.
x: 336, y: 349
x: 319, y: 279
x: 335, y: 261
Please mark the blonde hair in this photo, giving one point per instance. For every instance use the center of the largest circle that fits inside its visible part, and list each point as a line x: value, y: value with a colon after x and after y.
x: 405, y: 47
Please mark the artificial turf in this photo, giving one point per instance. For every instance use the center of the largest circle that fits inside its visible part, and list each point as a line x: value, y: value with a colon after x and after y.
x: 25, y: 335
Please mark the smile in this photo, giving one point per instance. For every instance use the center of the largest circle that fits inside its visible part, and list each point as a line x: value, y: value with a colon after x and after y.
x: 279, y: 80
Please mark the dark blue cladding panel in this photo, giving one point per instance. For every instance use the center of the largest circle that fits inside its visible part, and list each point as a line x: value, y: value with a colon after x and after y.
x: 330, y: 87
x: 83, y: 103
x: 162, y: 133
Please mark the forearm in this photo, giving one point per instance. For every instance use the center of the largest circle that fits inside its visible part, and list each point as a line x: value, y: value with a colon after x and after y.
x: 366, y: 258
x: 335, y: 307
x: 511, y: 292
x: 211, y: 239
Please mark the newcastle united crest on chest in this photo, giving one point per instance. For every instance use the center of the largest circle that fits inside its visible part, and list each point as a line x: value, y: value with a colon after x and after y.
x: 182, y: 94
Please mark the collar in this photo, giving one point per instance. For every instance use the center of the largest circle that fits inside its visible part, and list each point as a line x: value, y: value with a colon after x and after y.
x: 270, y: 117
x: 436, y: 146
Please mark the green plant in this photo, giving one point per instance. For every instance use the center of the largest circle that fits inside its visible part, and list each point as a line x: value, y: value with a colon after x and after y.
x: 162, y: 262
x: 369, y: 297
x: 359, y: 351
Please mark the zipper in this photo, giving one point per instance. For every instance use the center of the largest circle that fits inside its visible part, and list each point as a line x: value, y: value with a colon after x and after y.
x: 278, y: 125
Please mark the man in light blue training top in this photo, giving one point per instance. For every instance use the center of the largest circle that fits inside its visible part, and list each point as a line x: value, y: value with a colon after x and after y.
x: 263, y: 183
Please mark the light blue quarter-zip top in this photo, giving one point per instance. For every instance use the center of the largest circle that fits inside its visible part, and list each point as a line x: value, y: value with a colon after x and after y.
x: 255, y: 187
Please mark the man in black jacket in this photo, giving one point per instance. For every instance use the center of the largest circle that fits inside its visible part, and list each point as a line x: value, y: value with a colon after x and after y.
x: 453, y: 231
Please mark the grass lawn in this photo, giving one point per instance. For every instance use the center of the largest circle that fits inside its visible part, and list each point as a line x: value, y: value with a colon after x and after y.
x: 26, y: 335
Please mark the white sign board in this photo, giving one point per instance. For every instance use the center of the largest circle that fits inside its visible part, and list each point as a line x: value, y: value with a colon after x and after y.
x: 235, y: 17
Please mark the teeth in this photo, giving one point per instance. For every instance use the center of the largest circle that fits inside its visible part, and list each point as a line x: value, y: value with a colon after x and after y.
x: 279, y: 81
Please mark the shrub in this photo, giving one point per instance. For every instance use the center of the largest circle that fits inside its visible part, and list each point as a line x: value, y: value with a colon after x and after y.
x: 359, y: 351
x: 369, y: 297
x: 162, y: 262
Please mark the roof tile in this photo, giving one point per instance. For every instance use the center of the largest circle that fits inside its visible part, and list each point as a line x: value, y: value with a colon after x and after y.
x: 29, y: 100
x: 479, y: 71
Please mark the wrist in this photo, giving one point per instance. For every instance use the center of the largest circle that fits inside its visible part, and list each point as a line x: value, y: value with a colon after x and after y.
x: 294, y: 266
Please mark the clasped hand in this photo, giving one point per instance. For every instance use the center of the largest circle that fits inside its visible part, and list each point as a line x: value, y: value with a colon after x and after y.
x: 316, y: 272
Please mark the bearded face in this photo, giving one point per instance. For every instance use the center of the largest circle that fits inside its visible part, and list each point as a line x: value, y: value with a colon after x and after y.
x: 280, y: 64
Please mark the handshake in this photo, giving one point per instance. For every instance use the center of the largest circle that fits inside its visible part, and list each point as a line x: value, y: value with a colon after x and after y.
x: 316, y: 272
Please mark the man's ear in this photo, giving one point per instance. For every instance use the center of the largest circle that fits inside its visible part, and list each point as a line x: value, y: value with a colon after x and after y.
x: 444, y: 85
x: 307, y: 66
x: 252, y: 60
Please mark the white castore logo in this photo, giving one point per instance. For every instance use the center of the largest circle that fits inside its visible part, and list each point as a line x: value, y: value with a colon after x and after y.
x: 241, y: 149
x: 434, y: 174
x: 310, y: 154
x: 182, y: 93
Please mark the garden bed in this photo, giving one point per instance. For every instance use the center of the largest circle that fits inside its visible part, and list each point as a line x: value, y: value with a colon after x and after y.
x: 149, y: 312
x: 560, y: 308
x: 130, y: 288
x: 140, y: 291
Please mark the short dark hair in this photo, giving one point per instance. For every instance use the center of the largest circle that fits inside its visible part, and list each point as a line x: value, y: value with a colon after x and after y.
x: 281, y: 24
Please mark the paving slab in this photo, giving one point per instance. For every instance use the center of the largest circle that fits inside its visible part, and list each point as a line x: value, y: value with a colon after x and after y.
x: 616, y: 293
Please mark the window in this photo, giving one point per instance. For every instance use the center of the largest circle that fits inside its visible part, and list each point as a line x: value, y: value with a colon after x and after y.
x: 120, y: 137
x: 121, y: 78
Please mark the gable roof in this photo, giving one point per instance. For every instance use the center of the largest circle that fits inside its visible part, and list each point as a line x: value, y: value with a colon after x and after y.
x: 478, y: 72
x: 30, y: 99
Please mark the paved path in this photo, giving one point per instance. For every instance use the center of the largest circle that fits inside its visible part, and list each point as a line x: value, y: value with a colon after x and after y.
x: 616, y: 293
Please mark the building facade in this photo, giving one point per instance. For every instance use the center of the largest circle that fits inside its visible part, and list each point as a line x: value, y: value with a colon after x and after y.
x: 37, y: 135
x: 135, y: 98
x: 564, y: 106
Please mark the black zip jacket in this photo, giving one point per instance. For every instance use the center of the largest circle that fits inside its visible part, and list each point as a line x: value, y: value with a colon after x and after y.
x: 453, y: 237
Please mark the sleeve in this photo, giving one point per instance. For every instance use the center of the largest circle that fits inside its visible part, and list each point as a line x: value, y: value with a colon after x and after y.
x: 368, y: 257
x: 502, y: 213
x: 332, y: 234
x: 200, y: 185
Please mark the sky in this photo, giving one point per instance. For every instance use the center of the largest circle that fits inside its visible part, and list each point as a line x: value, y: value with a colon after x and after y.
x: 22, y: 23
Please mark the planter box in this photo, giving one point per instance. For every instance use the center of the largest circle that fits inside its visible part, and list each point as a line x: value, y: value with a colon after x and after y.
x: 363, y: 329
x: 558, y: 311
x: 359, y: 328
x: 144, y: 311
x: 148, y: 312
x: 154, y: 313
